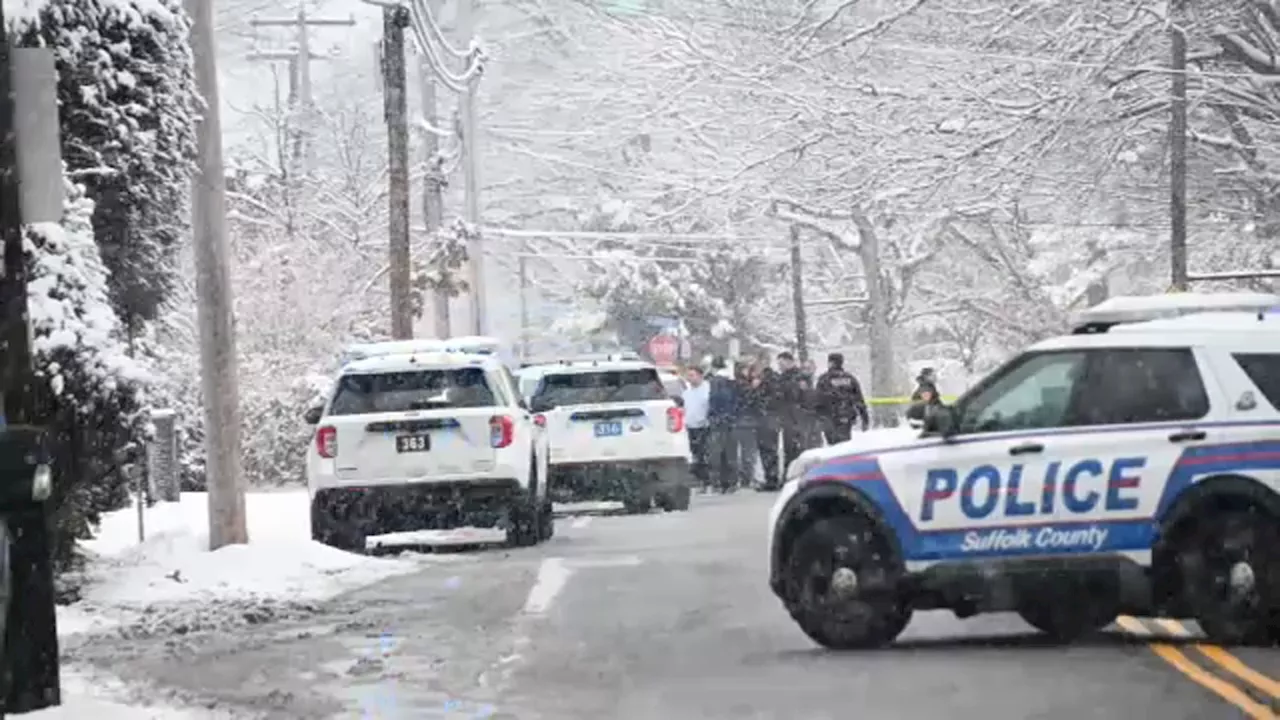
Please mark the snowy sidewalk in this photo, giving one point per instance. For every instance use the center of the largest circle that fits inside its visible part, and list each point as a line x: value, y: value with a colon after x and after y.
x: 171, y: 583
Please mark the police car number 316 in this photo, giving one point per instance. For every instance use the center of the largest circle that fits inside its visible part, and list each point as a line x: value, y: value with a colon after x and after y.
x: 1061, y: 493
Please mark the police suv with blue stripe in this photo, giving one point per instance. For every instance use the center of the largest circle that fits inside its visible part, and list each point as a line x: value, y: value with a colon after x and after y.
x: 1132, y: 467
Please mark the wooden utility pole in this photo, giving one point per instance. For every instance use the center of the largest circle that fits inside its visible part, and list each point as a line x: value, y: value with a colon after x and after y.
x: 471, y: 178
x: 218, y: 371
x: 299, y: 57
x: 395, y: 105
x: 797, y: 297
x: 524, y: 301
x: 433, y: 183
x: 1178, y: 153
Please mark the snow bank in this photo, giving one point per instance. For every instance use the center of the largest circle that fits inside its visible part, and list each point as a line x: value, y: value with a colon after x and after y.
x: 174, y: 564
x: 83, y: 697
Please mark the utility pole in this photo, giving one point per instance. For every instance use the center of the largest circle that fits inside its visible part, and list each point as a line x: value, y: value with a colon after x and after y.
x: 218, y: 371
x: 299, y: 57
x: 524, y: 301
x: 471, y: 179
x: 395, y: 105
x: 797, y: 296
x: 1178, y: 153
x: 433, y: 187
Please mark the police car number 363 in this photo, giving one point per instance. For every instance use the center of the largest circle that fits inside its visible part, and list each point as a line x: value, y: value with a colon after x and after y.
x: 1130, y: 467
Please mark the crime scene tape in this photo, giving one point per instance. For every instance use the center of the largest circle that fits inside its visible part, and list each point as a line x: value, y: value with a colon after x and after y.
x: 904, y: 400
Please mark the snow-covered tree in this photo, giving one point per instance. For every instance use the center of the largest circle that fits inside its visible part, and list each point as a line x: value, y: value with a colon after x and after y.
x: 94, y: 392
x: 128, y: 109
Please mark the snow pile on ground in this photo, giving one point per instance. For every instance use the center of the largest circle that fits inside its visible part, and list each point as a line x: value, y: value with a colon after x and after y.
x: 173, y: 566
x: 85, y: 698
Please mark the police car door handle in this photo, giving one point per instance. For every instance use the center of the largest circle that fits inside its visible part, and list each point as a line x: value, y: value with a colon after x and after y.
x: 1187, y: 436
x: 1026, y: 449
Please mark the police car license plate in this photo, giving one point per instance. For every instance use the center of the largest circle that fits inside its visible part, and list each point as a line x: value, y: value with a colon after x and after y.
x: 608, y: 429
x: 413, y: 443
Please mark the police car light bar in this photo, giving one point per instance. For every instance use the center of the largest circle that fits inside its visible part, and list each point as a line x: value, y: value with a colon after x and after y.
x: 1142, y: 308
x: 471, y: 345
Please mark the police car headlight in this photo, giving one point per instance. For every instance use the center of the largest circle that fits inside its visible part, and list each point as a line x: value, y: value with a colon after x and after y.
x: 42, y: 483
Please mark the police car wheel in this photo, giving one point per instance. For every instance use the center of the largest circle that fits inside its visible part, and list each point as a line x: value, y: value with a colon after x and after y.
x: 546, y: 521
x: 341, y: 534
x: 1231, y: 575
x: 842, y: 578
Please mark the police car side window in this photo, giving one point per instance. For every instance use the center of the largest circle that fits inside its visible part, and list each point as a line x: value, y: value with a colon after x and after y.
x: 1264, y: 370
x: 1142, y: 386
x: 1032, y: 394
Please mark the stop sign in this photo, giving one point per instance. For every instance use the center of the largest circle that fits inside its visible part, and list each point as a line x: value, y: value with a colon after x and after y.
x: 662, y: 348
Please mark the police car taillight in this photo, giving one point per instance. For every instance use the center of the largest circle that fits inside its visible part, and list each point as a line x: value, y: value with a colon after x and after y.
x: 675, y: 419
x: 540, y: 420
x: 327, y: 442
x: 501, y: 431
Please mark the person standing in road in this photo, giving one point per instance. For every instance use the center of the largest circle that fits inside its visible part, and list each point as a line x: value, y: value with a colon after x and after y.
x: 761, y: 386
x: 723, y: 403
x: 697, y: 400
x: 751, y: 411
x: 790, y: 401
x: 838, y: 401
x: 927, y: 381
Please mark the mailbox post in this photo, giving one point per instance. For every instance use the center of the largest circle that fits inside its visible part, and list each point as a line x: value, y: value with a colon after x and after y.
x: 30, y: 633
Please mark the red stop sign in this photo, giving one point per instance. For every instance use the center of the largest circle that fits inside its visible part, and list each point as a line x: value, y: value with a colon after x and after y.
x: 662, y: 348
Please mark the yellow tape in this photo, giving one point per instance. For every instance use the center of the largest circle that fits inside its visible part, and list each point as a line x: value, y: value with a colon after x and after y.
x: 905, y: 400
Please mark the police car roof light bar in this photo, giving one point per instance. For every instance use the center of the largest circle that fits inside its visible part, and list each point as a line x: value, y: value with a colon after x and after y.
x: 1143, y: 308
x: 470, y: 345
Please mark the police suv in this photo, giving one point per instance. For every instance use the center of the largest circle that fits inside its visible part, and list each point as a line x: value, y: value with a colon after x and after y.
x: 1132, y: 467
x: 610, y: 431
x: 423, y: 440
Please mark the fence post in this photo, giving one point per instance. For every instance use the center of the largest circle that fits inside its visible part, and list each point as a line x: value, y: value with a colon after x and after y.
x: 162, y: 456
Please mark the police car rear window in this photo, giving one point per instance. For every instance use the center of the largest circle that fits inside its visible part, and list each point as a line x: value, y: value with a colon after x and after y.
x: 586, y: 388
x: 1264, y: 370
x: 361, y: 394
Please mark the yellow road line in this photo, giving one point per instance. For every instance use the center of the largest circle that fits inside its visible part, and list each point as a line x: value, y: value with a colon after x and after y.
x: 1221, y: 688
x: 1174, y: 627
x: 1180, y: 662
x: 1236, y: 667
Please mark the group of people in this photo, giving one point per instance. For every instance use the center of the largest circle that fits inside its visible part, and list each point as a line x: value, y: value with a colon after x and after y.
x: 748, y: 414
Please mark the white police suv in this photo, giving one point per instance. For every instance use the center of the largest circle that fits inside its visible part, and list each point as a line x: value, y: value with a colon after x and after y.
x: 421, y: 441
x: 610, y: 431
x: 1131, y: 467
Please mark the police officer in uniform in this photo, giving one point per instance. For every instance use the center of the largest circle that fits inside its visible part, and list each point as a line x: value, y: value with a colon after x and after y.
x: 839, y: 401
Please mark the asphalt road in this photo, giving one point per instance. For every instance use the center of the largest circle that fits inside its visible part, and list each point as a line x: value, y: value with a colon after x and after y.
x: 666, y: 617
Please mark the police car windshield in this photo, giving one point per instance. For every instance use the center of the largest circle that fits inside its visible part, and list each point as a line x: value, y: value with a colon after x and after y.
x: 586, y: 388
x: 415, y: 390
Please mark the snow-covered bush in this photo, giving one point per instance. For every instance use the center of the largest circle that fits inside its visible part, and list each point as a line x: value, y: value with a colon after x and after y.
x: 128, y: 109
x: 94, y: 392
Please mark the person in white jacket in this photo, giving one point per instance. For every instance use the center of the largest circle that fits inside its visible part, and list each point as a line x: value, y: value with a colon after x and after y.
x: 697, y: 403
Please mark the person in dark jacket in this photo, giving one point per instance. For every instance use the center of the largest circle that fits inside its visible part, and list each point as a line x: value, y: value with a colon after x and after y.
x: 722, y: 419
x: 750, y: 418
x: 762, y: 384
x: 927, y: 381
x: 791, y: 407
x: 838, y: 401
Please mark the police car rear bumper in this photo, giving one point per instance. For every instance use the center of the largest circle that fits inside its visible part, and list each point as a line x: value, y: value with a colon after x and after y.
x: 607, y: 480
x: 380, y: 509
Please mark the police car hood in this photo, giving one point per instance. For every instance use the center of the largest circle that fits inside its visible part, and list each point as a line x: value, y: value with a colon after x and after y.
x: 867, y: 442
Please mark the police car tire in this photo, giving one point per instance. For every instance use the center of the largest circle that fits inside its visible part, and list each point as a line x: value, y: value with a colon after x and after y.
x: 1220, y: 621
x: 525, y: 530
x: 546, y: 521
x: 887, y: 616
x: 337, y: 534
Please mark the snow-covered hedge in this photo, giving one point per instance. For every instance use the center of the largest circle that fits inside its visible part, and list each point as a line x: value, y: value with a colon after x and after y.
x: 94, y: 392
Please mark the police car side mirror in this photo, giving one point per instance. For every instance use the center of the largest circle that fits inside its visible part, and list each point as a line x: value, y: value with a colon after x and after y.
x: 939, y: 420
x: 540, y: 406
x: 26, y: 474
x: 313, y: 415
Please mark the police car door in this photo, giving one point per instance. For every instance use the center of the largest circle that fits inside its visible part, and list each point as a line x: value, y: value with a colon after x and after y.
x: 997, y: 486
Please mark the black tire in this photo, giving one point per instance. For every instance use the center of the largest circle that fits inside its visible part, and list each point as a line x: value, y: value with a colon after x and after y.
x: 1231, y: 613
x: 524, y: 530
x: 546, y: 521
x: 871, y: 616
x: 677, y: 500
x: 637, y: 504
x: 339, y: 534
